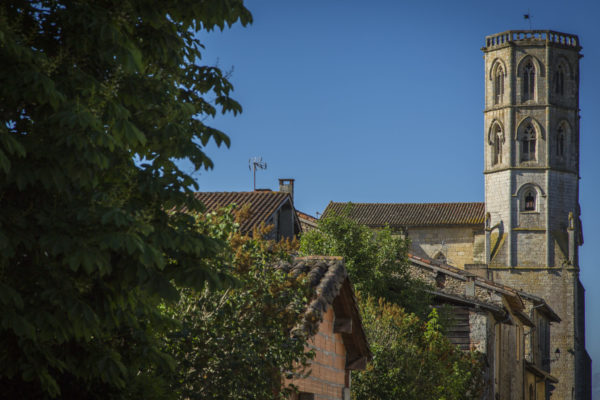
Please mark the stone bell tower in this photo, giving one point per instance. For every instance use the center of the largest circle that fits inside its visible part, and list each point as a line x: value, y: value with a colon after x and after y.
x: 531, y: 145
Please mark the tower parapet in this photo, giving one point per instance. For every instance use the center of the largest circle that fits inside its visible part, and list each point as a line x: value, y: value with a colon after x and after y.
x: 542, y: 36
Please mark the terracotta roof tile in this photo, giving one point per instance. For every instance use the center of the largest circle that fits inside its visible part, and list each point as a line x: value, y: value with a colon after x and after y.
x: 325, y: 276
x: 411, y: 214
x: 262, y: 204
x: 306, y: 216
x: 328, y: 279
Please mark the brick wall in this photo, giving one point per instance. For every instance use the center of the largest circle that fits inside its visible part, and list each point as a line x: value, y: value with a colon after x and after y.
x: 328, y: 377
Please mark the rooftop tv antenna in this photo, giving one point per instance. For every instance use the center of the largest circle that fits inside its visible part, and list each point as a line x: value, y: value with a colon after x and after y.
x: 256, y: 163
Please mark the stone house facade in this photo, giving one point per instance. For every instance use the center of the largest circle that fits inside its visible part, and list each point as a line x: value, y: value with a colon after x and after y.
x: 510, y: 329
x: 527, y: 231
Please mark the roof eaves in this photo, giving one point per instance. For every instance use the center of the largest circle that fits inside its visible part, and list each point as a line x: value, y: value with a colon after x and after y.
x: 498, y: 311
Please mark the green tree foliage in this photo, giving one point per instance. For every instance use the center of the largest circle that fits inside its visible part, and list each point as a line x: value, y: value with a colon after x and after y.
x: 98, y: 99
x: 236, y: 343
x: 412, y: 360
x: 376, y: 260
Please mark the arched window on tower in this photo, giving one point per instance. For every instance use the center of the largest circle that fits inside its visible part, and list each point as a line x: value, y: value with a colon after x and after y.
x: 496, y: 145
x: 560, y: 141
x: 559, y: 80
x: 498, y: 85
x: 528, y: 81
x: 528, y: 144
x: 529, y: 201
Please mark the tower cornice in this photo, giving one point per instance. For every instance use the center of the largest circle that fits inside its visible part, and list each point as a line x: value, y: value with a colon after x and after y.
x: 492, y: 171
x: 536, y: 106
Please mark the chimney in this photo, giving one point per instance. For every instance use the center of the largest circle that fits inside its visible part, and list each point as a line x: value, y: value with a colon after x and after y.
x: 287, y: 186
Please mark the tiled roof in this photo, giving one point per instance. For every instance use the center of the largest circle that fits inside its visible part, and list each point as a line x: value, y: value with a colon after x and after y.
x: 307, y: 222
x: 411, y: 214
x: 445, y: 267
x: 512, y: 292
x: 328, y: 278
x: 306, y: 216
x: 262, y: 204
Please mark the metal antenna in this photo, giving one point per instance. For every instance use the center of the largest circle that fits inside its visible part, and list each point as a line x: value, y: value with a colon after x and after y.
x: 253, y: 164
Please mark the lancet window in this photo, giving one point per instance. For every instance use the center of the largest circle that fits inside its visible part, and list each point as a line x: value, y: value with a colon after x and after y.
x: 560, y: 141
x: 498, y: 85
x: 528, y: 144
x: 528, y: 81
x: 496, y: 145
x: 559, y: 81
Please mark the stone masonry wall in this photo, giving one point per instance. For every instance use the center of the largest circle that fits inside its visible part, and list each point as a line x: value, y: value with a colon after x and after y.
x: 556, y: 287
x: 456, y: 243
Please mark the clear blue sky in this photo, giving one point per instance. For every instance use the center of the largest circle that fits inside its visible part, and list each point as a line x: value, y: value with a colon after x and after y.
x: 381, y: 101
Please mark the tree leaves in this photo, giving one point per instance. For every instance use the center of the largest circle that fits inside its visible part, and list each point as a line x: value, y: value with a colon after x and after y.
x: 376, y: 260
x: 234, y: 343
x: 412, y: 359
x: 98, y: 100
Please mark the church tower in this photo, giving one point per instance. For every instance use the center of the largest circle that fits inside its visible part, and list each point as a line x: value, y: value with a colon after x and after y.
x: 531, y: 144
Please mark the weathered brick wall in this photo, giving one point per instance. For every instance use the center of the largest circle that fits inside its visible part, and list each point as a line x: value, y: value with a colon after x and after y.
x: 328, y: 377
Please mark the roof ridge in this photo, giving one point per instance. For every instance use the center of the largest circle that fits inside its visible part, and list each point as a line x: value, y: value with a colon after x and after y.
x: 246, y: 192
x: 316, y: 257
x: 424, y: 203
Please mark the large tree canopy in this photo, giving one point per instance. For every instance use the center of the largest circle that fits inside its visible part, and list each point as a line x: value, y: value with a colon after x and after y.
x: 98, y: 99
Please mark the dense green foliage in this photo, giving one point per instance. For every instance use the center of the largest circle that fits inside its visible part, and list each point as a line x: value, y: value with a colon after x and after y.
x: 236, y: 343
x: 98, y: 99
x: 412, y: 360
x: 376, y: 260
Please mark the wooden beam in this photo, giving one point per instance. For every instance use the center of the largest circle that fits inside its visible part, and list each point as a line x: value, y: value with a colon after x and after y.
x: 357, y: 363
x: 342, y: 325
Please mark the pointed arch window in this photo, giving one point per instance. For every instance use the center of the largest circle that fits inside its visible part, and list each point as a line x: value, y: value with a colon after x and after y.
x: 496, y: 145
x: 528, y: 81
x: 440, y: 257
x: 528, y: 143
x: 529, y: 201
x: 559, y: 80
x: 498, y: 85
x: 560, y: 141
